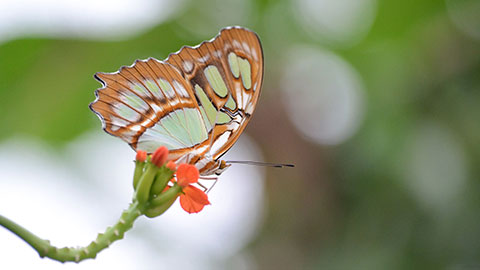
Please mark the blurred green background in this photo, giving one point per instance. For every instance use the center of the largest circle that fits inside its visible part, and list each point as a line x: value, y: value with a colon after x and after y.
x: 387, y: 173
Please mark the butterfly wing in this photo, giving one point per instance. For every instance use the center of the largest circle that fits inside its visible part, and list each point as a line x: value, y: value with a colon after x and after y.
x: 197, y: 101
x: 228, y: 71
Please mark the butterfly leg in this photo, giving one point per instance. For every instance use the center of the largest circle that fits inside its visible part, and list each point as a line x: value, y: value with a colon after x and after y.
x: 210, y: 178
x: 202, y: 186
x: 214, y: 183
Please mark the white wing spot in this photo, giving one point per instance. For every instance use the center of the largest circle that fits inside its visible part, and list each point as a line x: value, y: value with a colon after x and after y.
x: 255, y: 55
x: 128, y: 135
x: 204, y: 58
x: 180, y: 89
x: 236, y: 44
x: 220, y: 141
x: 187, y: 66
x: 117, y: 122
x: 246, y: 47
x: 249, y: 108
x: 217, y: 54
x: 156, y: 108
x: 245, y: 99
x: 135, y: 128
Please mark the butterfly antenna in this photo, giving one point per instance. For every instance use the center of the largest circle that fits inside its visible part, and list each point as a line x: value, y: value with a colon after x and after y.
x: 257, y: 163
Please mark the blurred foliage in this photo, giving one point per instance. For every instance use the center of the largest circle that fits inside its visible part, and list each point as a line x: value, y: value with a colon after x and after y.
x: 343, y: 207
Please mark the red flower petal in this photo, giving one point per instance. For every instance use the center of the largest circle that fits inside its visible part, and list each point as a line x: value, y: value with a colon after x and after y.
x: 193, y: 200
x: 189, y: 205
x: 187, y: 174
x: 196, y: 194
x: 141, y: 156
x: 159, y: 157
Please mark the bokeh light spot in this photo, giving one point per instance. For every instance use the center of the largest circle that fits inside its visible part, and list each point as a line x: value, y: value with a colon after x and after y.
x: 342, y: 22
x: 465, y: 14
x: 435, y: 167
x: 106, y: 19
x: 323, y: 95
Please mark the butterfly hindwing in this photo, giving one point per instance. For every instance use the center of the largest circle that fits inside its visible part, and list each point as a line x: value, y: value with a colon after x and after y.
x: 198, y: 101
x: 149, y: 104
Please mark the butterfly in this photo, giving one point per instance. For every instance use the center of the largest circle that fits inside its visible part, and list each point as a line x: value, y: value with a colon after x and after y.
x: 196, y: 102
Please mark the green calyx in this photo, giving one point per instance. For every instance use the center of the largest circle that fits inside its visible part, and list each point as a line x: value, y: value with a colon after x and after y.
x: 161, y: 180
x: 145, y: 182
x: 150, y: 189
x: 149, y: 181
x: 160, y: 204
x: 166, y: 196
x: 139, y: 166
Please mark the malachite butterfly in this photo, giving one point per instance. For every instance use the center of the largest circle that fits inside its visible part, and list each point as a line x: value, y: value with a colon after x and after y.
x: 196, y: 102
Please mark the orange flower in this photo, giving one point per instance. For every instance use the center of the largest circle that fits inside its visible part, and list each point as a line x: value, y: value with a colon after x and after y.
x: 141, y: 156
x: 187, y: 174
x: 193, y: 199
x: 159, y: 157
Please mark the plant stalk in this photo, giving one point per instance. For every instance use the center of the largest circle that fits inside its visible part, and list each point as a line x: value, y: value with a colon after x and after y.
x: 103, y: 240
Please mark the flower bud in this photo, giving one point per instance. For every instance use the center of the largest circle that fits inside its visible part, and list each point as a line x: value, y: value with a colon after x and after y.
x: 141, y: 156
x: 159, y: 157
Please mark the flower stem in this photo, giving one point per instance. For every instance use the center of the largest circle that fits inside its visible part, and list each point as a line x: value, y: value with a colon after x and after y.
x: 103, y: 240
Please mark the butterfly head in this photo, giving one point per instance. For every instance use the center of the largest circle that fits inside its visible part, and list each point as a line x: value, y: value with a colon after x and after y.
x: 222, y: 166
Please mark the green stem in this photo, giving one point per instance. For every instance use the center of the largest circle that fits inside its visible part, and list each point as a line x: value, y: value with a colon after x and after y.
x: 103, y: 240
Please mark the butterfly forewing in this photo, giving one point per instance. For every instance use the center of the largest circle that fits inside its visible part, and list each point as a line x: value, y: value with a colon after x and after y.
x: 229, y: 70
x: 197, y: 101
